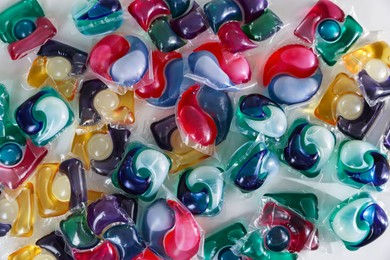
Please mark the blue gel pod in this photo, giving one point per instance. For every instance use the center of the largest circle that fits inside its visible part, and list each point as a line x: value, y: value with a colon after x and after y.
x: 205, y: 65
x: 361, y: 163
x: 142, y: 171
x: 154, y: 234
x: 250, y: 166
x: 43, y: 116
x: 137, y: 58
x: 358, y: 221
x: 221, y: 114
x: 257, y: 114
x: 290, y: 90
x: 309, y: 147
x: 201, y: 190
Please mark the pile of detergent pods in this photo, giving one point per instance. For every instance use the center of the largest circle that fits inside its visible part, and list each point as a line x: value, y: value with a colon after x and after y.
x: 176, y: 104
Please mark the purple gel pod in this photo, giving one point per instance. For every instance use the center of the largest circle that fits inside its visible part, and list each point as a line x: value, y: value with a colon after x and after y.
x: 358, y: 127
x: 374, y: 90
x: 87, y: 112
x: 252, y: 9
x: 190, y: 25
x: 163, y: 130
x: 55, y: 244
x: 74, y: 170
x: 104, y: 213
x: 119, y: 139
x: 129, y: 205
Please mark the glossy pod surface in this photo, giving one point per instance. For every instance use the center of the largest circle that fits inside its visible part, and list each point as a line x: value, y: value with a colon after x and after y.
x: 257, y: 114
x: 98, y: 16
x: 288, y: 229
x: 197, y: 117
x: 292, y: 74
x: 332, y: 32
x: 201, y: 190
x: 250, y: 166
x: 19, y: 157
x: 101, y: 150
x: 361, y: 163
x: 142, y: 171
x: 218, y: 245
x: 24, y: 27
x: 358, y: 221
x: 113, y: 55
x: 309, y: 147
x: 167, y: 137
x: 44, y: 116
x: 174, y: 233
x: 59, y: 65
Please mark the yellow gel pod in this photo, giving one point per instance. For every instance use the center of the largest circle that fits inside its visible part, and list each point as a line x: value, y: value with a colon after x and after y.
x: 58, y: 65
x: 98, y: 103
x: 24, y: 222
x: 53, y: 72
x: 53, y: 191
x: 356, y: 60
x: 115, y: 108
x: 80, y: 146
x: 28, y: 252
x: 37, y: 74
x: 342, y: 98
x: 100, y: 149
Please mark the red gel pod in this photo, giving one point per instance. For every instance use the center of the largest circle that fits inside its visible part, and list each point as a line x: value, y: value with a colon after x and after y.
x: 170, y: 231
x: 147, y: 255
x: 179, y: 243
x: 201, y: 122
x: 293, y: 60
x: 302, y: 232
x: 195, y: 123
x: 106, y: 52
x: 24, y: 27
x: 121, y: 59
x: 146, y: 89
x: 13, y: 177
x: 236, y: 66
x: 323, y: 10
x: 45, y: 30
x: 146, y: 11
x: 18, y: 156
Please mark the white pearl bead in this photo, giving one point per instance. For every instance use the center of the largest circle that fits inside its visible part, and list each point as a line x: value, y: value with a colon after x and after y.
x: 100, y: 147
x: 350, y: 106
x: 58, y: 68
x: 377, y: 70
x: 106, y: 100
x: 61, y: 187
